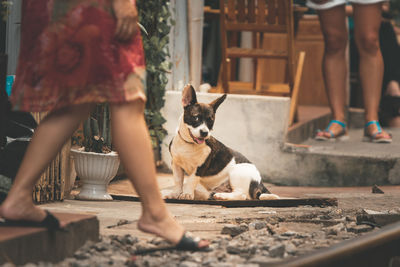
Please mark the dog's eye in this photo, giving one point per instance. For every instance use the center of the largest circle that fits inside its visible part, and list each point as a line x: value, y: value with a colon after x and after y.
x: 196, y: 118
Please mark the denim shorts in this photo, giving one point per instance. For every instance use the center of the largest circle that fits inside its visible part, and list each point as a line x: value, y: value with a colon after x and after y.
x: 333, y: 3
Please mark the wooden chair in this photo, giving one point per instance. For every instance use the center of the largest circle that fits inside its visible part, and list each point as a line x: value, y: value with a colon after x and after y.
x: 259, y: 17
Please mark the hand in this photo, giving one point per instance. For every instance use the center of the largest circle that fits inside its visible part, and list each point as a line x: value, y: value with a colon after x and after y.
x: 320, y: 2
x: 127, y: 19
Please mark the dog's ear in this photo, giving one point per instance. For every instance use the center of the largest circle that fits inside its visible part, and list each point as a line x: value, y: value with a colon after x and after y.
x: 188, y: 96
x: 215, y: 104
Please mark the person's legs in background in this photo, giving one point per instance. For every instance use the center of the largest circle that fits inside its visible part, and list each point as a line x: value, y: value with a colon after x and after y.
x: 334, y: 29
x: 48, y: 139
x: 367, y: 20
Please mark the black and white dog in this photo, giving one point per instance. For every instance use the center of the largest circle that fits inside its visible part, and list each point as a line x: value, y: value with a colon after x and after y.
x: 213, y: 170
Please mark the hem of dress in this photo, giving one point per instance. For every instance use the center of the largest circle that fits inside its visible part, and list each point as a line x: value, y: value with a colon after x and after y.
x: 51, y: 107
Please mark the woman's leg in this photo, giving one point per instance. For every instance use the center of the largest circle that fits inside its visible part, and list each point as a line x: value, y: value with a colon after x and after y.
x: 132, y: 142
x: 334, y: 67
x: 367, y: 21
x: 393, y: 89
x: 48, y: 139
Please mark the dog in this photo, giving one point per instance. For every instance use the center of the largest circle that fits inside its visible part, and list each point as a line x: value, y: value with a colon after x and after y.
x: 213, y: 170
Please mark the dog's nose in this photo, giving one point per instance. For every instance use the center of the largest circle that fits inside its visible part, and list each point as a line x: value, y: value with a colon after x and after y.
x: 203, y: 133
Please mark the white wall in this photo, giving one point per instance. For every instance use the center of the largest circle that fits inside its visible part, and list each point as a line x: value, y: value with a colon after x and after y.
x: 179, y: 46
x: 253, y: 125
x: 13, y: 36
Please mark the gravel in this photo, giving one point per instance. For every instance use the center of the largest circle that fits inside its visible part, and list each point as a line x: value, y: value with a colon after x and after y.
x: 242, y: 242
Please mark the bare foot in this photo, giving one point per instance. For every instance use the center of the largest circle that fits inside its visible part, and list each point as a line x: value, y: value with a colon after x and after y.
x: 166, y: 227
x: 21, y: 208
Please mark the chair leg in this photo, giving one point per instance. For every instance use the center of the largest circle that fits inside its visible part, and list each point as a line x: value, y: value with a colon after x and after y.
x: 225, y: 75
x: 219, y: 87
x: 255, y: 60
x: 258, y: 76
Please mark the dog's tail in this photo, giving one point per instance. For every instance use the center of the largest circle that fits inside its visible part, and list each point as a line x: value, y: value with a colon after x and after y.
x: 257, y: 190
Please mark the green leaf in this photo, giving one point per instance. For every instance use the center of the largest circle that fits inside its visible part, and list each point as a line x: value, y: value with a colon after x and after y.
x: 154, y: 15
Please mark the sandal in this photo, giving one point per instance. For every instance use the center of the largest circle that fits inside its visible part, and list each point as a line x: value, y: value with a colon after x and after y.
x: 50, y: 222
x: 373, y: 137
x: 342, y: 135
x: 186, y: 243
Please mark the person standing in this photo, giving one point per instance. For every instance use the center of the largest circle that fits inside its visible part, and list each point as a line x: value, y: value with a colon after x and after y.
x: 367, y: 20
x: 74, y: 54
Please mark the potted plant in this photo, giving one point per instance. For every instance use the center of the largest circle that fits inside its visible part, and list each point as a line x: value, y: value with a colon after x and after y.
x: 95, y: 162
x: 154, y: 17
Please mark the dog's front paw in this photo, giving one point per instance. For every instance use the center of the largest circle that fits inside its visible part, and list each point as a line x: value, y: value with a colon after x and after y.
x: 189, y: 196
x: 170, y: 194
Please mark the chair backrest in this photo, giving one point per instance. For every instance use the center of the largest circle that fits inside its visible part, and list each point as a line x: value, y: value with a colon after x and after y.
x: 260, y: 16
x: 257, y: 15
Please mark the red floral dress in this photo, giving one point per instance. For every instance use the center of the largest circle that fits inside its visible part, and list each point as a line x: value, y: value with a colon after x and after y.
x: 69, y: 55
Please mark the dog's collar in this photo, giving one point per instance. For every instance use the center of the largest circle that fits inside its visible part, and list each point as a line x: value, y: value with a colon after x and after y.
x: 179, y: 133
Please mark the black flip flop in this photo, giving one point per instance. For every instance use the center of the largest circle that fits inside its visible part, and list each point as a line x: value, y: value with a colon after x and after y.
x: 50, y: 222
x: 186, y: 243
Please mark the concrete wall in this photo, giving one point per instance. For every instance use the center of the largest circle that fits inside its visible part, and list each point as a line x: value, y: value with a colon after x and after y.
x: 254, y: 125
x: 13, y: 36
x: 257, y: 125
x: 178, y: 46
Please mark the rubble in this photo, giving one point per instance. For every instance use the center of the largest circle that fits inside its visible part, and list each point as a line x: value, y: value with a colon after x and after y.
x: 377, y: 190
x: 377, y: 218
x: 234, y: 230
x: 242, y: 241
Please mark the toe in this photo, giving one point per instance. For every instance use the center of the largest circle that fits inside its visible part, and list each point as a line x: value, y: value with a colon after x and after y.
x: 383, y: 135
x: 203, y: 243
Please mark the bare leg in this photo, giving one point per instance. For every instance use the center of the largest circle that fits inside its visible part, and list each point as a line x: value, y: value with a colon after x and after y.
x: 131, y: 140
x: 333, y: 26
x: 393, y: 89
x: 394, y: 122
x: 367, y: 21
x: 47, y: 141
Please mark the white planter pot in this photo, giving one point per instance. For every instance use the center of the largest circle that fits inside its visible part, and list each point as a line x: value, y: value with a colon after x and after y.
x: 95, y: 171
x: 71, y: 176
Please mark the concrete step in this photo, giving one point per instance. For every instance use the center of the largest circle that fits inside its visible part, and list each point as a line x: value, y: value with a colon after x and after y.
x: 346, y: 163
x: 20, y: 245
x: 256, y: 126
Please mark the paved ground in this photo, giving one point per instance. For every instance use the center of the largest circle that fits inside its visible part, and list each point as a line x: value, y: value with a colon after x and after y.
x: 289, y: 231
x: 207, y: 221
x: 239, y: 236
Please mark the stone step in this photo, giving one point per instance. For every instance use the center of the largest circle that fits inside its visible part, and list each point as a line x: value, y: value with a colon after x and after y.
x: 346, y: 163
x: 20, y: 245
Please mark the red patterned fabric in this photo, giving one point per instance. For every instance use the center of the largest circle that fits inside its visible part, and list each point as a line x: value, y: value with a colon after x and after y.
x: 69, y: 56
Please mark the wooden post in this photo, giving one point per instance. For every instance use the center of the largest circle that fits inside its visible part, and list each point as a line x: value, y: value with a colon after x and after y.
x: 51, y: 184
x: 296, y: 88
